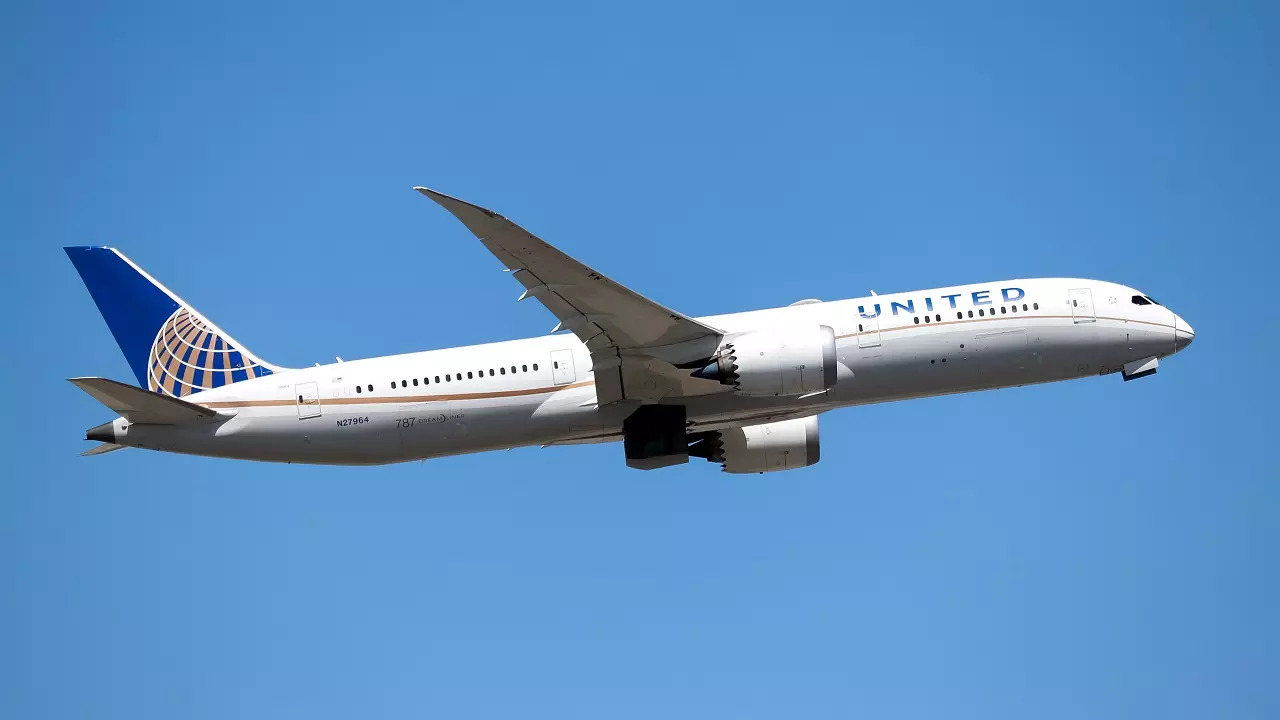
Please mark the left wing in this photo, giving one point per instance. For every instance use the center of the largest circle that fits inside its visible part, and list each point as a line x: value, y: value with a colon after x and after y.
x: 635, y: 343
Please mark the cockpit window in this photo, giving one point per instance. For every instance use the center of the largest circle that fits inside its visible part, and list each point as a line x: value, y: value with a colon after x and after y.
x: 1151, y: 299
x: 1140, y: 300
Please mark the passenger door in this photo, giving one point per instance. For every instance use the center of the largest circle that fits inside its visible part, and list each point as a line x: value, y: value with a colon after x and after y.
x: 562, y: 367
x: 1081, y: 305
x: 868, y: 332
x: 308, y: 395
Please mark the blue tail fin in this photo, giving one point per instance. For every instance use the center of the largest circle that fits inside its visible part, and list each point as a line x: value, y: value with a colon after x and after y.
x: 171, y: 347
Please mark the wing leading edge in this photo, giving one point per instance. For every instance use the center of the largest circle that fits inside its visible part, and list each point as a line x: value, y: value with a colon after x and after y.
x: 635, y: 343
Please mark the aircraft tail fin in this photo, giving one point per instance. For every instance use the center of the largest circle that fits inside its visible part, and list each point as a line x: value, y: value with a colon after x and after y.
x: 171, y: 347
x: 141, y: 406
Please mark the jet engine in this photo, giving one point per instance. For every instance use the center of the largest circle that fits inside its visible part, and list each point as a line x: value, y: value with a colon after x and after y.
x: 797, y: 361
x: 784, y: 445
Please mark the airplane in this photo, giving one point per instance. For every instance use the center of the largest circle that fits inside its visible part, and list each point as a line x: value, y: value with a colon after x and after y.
x: 742, y: 390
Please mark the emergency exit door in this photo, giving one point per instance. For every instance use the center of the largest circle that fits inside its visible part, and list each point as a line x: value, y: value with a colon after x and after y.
x: 1081, y: 305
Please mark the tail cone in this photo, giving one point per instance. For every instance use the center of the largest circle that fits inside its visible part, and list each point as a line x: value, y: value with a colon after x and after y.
x: 106, y: 432
x: 710, y: 372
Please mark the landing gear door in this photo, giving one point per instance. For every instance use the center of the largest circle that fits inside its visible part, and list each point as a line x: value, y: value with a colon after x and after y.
x: 1081, y: 305
x: 308, y: 395
x: 868, y: 332
x: 562, y: 367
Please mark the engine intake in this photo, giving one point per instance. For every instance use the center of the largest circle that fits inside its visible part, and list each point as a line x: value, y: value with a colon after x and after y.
x: 768, y: 447
x: 778, y: 362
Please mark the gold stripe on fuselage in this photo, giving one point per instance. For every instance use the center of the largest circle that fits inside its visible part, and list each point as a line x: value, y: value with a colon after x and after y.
x: 368, y: 400
x: 966, y: 321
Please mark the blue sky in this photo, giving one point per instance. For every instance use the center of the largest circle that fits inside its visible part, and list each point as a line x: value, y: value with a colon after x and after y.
x: 1087, y: 549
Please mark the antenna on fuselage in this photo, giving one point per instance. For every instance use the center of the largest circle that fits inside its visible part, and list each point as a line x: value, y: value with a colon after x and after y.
x: 873, y: 293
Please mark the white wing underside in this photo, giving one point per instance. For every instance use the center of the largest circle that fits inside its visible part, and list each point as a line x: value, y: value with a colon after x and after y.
x: 635, y: 343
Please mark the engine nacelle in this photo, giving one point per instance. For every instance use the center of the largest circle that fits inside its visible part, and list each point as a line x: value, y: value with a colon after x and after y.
x: 784, y: 445
x: 776, y: 362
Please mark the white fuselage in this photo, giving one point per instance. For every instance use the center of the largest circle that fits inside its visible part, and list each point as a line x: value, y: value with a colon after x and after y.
x: 469, y: 399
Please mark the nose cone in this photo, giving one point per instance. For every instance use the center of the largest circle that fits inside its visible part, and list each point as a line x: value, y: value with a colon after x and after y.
x: 1183, y: 333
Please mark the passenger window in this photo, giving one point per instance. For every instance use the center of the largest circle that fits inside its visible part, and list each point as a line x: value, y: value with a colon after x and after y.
x: 917, y: 320
x: 370, y: 387
x: 926, y: 318
x: 938, y: 317
x: 1035, y: 306
x: 981, y: 313
x: 1024, y: 307
x: 513, y: 369
x: 1013, y: 308
x: 437, y: 379
x: 1004, y: 310
x: 502, y: 370
x: 404, y: 384
x: 555, y: 364
x: 469, y: 375
x: 358, y: 389
x: 535, y: 367
x: 970, y: 313
x: 448, y: 378
x: 526, y: 368
x: 393, y: 384
x: 415, y: 382
x: 959, y: 316
x: 859, y: 327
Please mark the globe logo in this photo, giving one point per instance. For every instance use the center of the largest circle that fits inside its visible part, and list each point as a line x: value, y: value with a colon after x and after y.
x: 188, y: 356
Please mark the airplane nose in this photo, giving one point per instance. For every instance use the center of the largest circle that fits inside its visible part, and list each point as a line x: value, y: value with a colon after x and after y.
x: 1183, y: 333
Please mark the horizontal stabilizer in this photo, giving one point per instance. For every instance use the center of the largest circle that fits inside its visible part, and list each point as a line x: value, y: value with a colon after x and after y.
x: 141, y: 406
x: 100, y: 449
